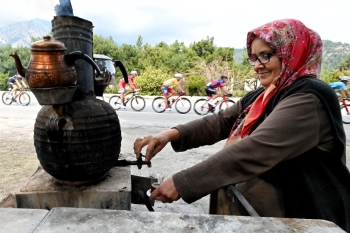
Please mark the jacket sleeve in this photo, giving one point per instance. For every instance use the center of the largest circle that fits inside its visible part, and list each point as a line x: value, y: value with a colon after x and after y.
x: 291, y: 129
x: 207, y: 130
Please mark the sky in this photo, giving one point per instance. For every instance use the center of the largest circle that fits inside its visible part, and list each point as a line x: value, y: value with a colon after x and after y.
x: 188, y: 21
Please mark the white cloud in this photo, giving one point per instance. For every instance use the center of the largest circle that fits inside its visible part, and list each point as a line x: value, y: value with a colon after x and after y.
x: 188, y: 21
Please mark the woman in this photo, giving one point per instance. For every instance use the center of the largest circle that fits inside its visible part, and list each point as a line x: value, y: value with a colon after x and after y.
x: 285, y: 147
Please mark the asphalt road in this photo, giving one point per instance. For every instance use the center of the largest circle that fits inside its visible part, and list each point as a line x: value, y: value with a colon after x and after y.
x: 136, y: 124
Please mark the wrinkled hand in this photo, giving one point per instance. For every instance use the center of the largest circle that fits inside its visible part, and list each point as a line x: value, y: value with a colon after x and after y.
x: 154, y: 143
x: 166, y: 191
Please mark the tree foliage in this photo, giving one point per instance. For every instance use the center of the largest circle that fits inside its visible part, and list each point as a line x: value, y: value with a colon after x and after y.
x: 200, y: 62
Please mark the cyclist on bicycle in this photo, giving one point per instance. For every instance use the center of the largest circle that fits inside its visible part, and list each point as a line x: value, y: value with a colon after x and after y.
x: 14, y: 84
x: 122, y: 86
x: 212, y: 87
x: 167, y: 88
x: 341, y: 87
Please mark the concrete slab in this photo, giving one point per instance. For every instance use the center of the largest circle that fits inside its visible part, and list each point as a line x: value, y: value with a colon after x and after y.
x: 43, y: 191
x: 20, y: 220
x: 93, y: 220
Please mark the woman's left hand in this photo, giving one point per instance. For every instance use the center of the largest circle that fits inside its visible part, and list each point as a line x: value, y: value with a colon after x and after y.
x: 167, y: 192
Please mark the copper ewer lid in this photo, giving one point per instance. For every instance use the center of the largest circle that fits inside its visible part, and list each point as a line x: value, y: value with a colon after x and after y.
x: 48, y: 45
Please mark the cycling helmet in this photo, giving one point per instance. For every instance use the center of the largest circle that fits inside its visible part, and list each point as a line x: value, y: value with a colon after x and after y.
x: 344, y: 78
x: 223, y: 77
x: 133, y: 72
x: 178, y: 75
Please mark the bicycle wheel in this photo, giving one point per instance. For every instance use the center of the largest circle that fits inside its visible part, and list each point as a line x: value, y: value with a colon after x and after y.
x: 226, y: 104
x: 345, y: 113
x: 115, y: 102
x: 138, y: 103
x: 158, y: 104
x: 7, y: 98
x: 183, y: 105
x: 201, y: 107
x: 24, y: 99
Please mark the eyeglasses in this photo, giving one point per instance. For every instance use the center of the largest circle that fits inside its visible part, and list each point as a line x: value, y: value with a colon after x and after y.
x: 263, y: 58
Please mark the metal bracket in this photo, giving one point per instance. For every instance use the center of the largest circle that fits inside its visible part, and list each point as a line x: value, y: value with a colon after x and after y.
x: 229, y: 201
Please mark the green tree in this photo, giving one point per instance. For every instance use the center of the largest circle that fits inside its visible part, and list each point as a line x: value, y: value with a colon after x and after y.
x: 204, y: 48
x: 105, y: 46
x: 345, y: 65
x: 7, y: 63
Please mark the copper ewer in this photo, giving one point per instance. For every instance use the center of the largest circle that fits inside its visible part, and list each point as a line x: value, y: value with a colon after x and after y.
x: 49, y: 66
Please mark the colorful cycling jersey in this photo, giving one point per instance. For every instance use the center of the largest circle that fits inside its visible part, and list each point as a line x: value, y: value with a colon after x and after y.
x: 216, y: 83
x: 170, y: 82
x: 338, y: 86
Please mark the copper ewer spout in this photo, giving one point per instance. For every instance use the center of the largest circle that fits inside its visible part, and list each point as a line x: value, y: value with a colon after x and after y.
x: 20, y: 69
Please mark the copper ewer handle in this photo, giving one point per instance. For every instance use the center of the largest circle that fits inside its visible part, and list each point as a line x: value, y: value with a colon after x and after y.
x: 73, y: 56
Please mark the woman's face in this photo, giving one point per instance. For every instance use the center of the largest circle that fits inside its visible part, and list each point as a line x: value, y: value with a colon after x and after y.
x: 269, y: 71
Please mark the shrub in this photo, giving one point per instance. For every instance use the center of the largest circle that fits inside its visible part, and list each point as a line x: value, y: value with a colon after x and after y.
x: 195, y: 85
x: 334, y: 75
x: 151, y: 80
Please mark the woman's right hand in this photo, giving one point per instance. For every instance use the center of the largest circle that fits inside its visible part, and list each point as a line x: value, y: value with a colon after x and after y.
x: 155, y: 143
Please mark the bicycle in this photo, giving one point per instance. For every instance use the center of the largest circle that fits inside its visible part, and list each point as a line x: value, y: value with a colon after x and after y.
x: 182, y: 104
x: 345, y: 111
x: 202, y: 107
x: 23, y: 97
x: 137, y: 102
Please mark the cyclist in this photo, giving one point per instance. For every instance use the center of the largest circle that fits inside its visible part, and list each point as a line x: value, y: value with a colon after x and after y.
x: 14, y: 84
x: 122, y: 86
x: 167, y: 88
x: 341, y: 87
x: 212, y: 87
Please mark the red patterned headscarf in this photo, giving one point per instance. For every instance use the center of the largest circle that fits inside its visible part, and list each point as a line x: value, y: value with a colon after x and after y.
x: 300, y: 51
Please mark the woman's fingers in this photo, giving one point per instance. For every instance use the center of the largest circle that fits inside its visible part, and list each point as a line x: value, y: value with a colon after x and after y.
x: 166, y: 192
x: 138, y: 145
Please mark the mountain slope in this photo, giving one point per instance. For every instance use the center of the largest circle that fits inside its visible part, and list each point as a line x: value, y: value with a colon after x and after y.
x: 20, y: 33
x: 333, y: 54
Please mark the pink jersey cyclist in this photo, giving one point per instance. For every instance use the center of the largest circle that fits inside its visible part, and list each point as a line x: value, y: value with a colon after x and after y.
x: 122, y: 84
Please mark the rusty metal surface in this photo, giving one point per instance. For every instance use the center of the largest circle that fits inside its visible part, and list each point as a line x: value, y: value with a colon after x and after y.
x: 77, y: 35
x: 229, y: 201
x: 54, y: 95
x: 86, y: 146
